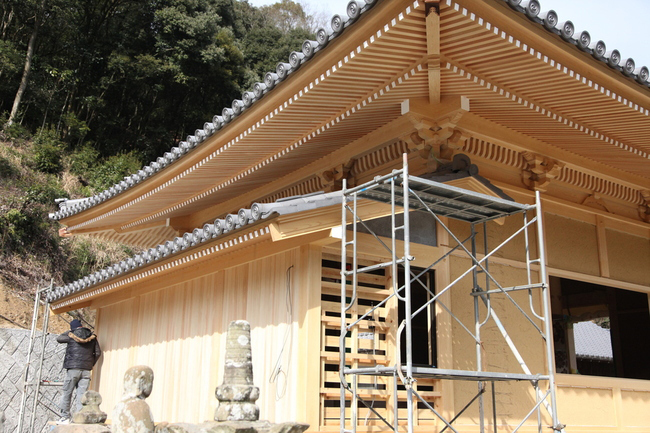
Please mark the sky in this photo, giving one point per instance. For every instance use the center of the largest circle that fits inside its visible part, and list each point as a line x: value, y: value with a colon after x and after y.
x: 621, y: 24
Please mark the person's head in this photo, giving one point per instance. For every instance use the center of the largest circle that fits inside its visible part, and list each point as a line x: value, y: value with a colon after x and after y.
x: 76, y: 323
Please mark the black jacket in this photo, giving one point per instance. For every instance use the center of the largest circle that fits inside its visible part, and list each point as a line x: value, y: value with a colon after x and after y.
x: 83, y: 349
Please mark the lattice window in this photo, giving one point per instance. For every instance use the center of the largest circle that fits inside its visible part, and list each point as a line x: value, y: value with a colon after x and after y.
x: 369, y: 344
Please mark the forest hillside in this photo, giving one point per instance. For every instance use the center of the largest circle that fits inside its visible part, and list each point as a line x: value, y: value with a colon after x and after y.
x: 90, y: 91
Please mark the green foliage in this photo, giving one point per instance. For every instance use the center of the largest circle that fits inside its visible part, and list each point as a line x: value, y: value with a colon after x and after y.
x: 25, y: 229
x: 113, y: 170
x: 75, y: 128
x: 15, y: 226
x: 83, y: 160
x: 7, y: 169
x: 287, y: 15
x: 11, y: 58
x: 48, y: 152
x: 15, y: 132
x: 45, y: 192
x: 139, y: 75
x: 114, y: 84
x: 81, y: 260
x: 87, y: 255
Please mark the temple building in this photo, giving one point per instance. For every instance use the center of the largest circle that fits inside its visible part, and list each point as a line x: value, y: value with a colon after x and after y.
x: 496, y: 100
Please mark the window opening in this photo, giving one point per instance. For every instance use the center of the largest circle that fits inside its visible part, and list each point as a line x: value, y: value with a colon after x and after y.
x: 600, y: 330
x: 423, y: 326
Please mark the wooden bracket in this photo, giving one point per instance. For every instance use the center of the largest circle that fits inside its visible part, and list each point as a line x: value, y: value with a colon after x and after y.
x: 595, y: 200
x: 453, y: 143
x: 436, y: 137
x: 644, y: 209
x: 540, y: 171
x: 333, y: 178
x: 435, y: 143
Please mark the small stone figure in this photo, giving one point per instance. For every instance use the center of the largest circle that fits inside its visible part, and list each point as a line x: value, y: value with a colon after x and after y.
x: 237, y: 394
x: 132, y: 413
x: 90, y: 412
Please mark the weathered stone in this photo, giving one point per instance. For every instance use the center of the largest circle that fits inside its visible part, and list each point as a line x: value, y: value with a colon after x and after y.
x: 237, y: 412
x: 90, y: 412
x: 232, y: 427
x: 2, y: 421
x: 132, y: 414
x: 81, y: 428
x: 237, y: 394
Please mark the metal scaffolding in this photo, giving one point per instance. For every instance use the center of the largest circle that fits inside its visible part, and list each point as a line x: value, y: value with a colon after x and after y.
x: 32, y: 378
x: 405, y: 193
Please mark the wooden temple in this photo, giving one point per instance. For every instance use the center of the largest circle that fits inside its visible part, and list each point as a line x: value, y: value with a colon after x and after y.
x: 497, y: 97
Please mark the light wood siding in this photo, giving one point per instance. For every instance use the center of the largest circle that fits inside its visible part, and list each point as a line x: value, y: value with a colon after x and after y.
x: 180, y: 333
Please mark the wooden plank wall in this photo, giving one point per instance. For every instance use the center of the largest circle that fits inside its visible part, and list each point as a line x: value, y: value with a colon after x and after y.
x: 180, y: 333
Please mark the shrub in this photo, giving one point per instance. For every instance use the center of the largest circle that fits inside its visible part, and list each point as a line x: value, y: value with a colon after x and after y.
x: 48, y: 151
x: 22, y: 230
x: 113, y: 170
x: 15, y: 224
x: 76, y: 129
x: 6, y: 168
x: 83, y: 160
x: 45, y: 192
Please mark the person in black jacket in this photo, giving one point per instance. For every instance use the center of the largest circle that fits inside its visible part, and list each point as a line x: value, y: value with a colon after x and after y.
x: 82, y: 353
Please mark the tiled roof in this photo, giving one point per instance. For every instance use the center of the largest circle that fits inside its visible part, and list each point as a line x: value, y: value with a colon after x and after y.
x: 460, y: 167
x: 566, y: 30
x: 592, y: 341
x: 220, y: 227
x: 529, y: 8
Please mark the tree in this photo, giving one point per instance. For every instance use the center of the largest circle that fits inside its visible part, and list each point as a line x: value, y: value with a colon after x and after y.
x: 288, y: 15
x: 28, y: 64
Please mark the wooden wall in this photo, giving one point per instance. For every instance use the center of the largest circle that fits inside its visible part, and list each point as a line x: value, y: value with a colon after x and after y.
x: 180, y: 333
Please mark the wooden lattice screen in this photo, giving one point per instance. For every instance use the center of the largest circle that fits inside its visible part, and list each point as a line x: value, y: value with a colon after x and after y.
x: 369, y: 344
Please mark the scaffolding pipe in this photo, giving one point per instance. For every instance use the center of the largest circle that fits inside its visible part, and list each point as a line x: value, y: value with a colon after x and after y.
x: 473, y: 206
x: 23, y: 398
x: 46, y: 319
x: 407, y: 295
x: 541, y: 245
x: 477, y: 331
x: 343, y: 309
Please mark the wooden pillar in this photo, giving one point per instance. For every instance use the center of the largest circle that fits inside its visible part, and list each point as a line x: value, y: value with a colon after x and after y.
x: 308, y: 276
x: 601, y: 235
x: 444, y: 337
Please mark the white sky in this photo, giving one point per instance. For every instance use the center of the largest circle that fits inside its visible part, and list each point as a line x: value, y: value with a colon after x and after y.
x: 621, y: 24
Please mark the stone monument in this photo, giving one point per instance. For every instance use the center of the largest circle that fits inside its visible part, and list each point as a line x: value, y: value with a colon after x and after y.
x: 237, y: 395
x: 132, y: 414
x: 237, y: 411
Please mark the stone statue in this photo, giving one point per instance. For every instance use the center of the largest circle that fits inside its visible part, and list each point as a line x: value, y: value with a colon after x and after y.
x: 90, y: 419
x: 90, y: 412
x: 132, y: 413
